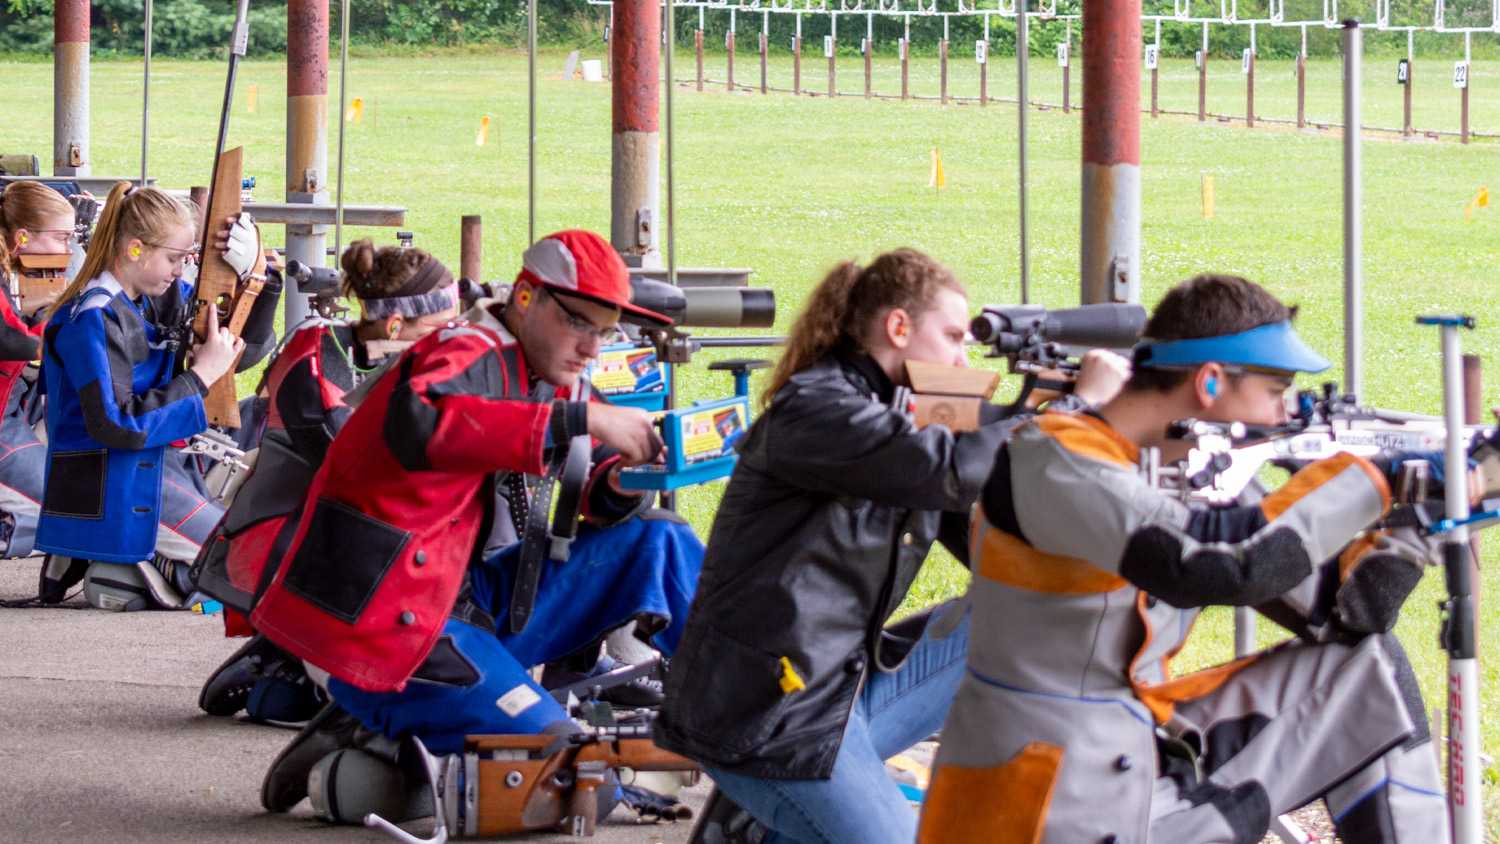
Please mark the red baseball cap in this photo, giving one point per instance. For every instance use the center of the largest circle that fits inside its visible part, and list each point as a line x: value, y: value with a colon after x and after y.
x: 584, y: 264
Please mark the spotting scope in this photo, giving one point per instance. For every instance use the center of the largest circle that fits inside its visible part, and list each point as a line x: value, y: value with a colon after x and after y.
x: 313, y: 280
x: 1012, y: 329
x: 707, y: 307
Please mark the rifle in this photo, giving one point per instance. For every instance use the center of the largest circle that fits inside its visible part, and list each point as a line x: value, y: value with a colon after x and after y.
x: 1038, y: 344
x: 1229, y: 455
x: 217, y: 285
x: 513, y: 783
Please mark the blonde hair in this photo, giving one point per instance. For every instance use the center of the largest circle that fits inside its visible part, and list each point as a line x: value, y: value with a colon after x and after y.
x: 150, y: 215
x: 847, y: 305
x: 31, y: 206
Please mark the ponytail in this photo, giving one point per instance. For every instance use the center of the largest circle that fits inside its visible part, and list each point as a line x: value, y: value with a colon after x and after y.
x: 31, y: 206
x: 848, y: 304
x: 148, y: 214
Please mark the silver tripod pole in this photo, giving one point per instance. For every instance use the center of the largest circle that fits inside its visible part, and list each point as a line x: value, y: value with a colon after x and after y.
x: 1459, y: 629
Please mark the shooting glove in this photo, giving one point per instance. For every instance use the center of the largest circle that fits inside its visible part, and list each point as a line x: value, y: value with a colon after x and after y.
x: 1376, y: 574
x: 242, y: 252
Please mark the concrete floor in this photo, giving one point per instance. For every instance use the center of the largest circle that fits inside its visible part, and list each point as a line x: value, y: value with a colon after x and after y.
x: 101, y: 738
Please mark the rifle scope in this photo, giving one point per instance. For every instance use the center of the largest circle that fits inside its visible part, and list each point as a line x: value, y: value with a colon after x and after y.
x: 1011, y: 328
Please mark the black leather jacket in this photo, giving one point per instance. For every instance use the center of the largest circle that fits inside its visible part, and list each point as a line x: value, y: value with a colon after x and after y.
x: 832, y: 509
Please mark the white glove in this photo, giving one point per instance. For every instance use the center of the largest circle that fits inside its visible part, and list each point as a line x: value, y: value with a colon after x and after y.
x: 242, y: 251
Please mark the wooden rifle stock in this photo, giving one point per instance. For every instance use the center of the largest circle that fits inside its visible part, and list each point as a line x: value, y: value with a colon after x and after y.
x: 218, y: 286
x: 950, y: 396
x: 39, y: 281
x: 523, y: 786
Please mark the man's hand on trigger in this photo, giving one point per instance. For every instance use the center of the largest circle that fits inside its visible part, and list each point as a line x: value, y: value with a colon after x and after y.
x: 1101, y: 375
x: 628, y: 430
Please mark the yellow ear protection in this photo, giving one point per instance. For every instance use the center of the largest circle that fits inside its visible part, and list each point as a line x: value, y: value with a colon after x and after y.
x: 395, y: 327
x: 23, y: 240
x: 135, y: 251
x: 524, y: 298
x: 1211, y: 386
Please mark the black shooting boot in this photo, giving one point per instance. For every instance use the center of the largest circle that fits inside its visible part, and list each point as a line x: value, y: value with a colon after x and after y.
x: 724, y: 822
x: 286, y: 781
x: 229, y: 687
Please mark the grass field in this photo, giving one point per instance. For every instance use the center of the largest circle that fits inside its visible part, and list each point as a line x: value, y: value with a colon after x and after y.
x: 788, y: 185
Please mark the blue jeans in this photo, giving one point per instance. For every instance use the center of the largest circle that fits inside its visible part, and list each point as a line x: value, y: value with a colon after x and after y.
x: 644, y: 568
x: 861, y: 804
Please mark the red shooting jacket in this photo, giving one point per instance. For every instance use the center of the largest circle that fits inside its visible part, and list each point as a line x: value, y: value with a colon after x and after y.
x: 392, y: 518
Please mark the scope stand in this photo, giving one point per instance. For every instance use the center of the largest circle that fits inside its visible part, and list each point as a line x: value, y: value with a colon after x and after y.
x: 1458, y: 630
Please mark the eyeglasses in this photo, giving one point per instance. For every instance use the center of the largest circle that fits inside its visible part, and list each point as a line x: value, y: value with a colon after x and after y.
x: 582, y: 328
x: 190, y: 252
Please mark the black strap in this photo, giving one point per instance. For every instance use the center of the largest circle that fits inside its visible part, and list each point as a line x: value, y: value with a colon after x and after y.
x: 575, y: 477
x: 529, y: 569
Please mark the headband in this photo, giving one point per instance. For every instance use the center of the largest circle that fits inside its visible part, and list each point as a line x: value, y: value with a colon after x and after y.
x: 1273, y: 346
x: 419, y: 296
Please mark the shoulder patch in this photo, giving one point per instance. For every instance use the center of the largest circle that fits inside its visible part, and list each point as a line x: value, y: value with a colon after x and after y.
x: 1088, y: 436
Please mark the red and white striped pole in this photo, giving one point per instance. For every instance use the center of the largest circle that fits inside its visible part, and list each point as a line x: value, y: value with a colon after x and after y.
x: 1111, y: 151
x: 635, y: 150
x: 70, y: 88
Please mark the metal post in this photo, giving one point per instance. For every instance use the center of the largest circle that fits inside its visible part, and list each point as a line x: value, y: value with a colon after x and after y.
x: 1458, y: 631
x: 1111, y: 151
x: 1463, y: 93
x: 1023, y: 44
x: 1302, y: 81
x: 1406, y: 94
x: 531, y: 21
x: 765, y: 48
x: 906, y: 59
x: 1068, y: 72
x: 1353, y: 213
x: 146, y: 94
x: 943, y: 73
x: 338, y: 213
x: 833, y: 36
x: 1155, y: 109
x: 729, y: 46
x: 1203, y: 77
x: 471, y: 245
x: 869, y: 50
x: 1474, y: 415
x: 1250, y: 84
x: 306, y: 135
x: 635, y: 148
x: 698, y: 39
x: 797, y: 59
x: 984, y: 69
x: 70, y: 88
x: 1244, y: 631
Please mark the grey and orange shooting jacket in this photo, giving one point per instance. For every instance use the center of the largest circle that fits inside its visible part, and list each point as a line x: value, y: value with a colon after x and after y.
x: 1087, y: 581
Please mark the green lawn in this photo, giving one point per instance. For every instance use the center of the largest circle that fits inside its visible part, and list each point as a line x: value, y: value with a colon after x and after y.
x: 788, y: 185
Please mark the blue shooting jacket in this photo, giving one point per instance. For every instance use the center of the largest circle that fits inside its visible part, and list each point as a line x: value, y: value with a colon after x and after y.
x: 113, y: 405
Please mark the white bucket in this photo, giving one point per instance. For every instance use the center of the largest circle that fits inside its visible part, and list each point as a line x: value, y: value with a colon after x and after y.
x: 593, y: 70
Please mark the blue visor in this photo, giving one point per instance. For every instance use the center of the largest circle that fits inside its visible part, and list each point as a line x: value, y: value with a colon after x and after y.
x: 1273, y: 346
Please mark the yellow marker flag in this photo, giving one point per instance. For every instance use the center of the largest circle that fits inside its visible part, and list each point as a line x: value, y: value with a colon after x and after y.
x: 356, y: 112
x: 937, y: 179
x: 1480, y: 200
x: 484, y: 132
x: 1208, y: 197
x: 251, y: 96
